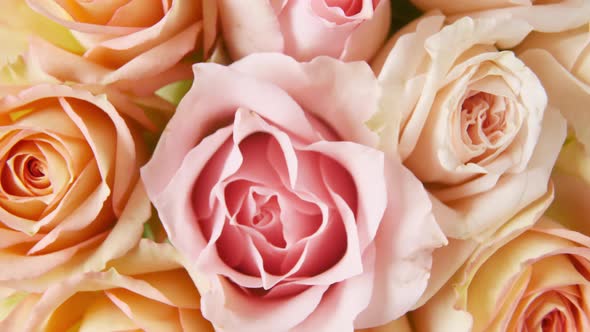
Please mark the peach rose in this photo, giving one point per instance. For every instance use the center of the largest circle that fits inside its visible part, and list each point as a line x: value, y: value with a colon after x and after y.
x: 147, y: 290
x: 468, y: 120
x: 267, y: 180
x: 536, y: 280
x: 126, y: 40
x: 545, y: 16
x: 344, y: 29
x: 562, y: 63
x: 70, y: 196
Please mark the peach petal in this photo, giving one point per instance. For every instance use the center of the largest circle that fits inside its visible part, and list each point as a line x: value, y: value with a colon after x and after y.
x: 93, y: 127
x: 151, y: 63
x: 151, y: 12
x: 103, y: 315
x: 16, y: 319
x: 192, y: 320
x: 9, y: 238
x: 92, y: 11
x: 147, y: 315
x: 56, y: 13
x: 16, y: 267
x: 57, y: 294
x: 126, y: 232
x: 82, y: 216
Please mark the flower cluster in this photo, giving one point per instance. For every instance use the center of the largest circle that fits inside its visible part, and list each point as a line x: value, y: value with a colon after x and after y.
x: 294, y: 165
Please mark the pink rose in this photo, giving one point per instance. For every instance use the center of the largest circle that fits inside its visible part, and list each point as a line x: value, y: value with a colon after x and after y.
x: 345, y: 29
x: 267, y: 180
x: 125, y: 40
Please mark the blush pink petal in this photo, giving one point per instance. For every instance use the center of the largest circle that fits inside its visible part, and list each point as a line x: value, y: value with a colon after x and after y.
x: 336, y: 311
x: 369, y: 36
x: 251, y: 314
x: 307, y: 35
x: 217, y: 93
x: 367, y: 170
x: 403, y: 263
x: 338, y: 95
x: 174, y: 201
x: 256, y: 31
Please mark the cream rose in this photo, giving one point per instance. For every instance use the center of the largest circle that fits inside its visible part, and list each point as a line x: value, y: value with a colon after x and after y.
x: 70, y: 196
x: 562, y: 63
x: 469, y: 120
x: 346, y: 29
x: 536, y: 280
x: 148, y: 290
x: 546, y: 16
x: 121, y: 41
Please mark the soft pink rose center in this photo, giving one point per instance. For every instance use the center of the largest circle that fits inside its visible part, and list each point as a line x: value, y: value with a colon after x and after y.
x: 297, y: 231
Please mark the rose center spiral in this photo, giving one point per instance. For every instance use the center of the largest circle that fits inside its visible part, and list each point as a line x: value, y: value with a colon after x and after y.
x: 483, y: 117
x: 349, y: 7
x: 35, y: 168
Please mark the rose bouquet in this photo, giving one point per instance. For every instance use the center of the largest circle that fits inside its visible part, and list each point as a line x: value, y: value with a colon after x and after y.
x: 294, y: 165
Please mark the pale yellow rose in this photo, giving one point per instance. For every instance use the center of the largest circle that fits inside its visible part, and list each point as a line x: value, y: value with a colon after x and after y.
x: 536, y: 280
x: 470, y: 121
x: 562, y: 63
x: 70, y: 195
x: 571, y: 177
x: 540, y: 15
x: 146, y: 290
